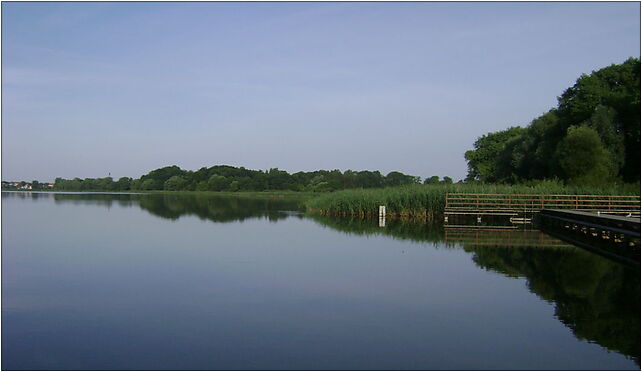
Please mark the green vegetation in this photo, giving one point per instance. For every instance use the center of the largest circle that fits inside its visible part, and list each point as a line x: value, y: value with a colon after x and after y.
x: 427, y: 201
x: 232, y: 179
x: 592, y: 137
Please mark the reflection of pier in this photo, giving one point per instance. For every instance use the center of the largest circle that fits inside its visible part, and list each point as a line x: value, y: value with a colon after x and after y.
x: 502, y: 238
x: 614, y: 236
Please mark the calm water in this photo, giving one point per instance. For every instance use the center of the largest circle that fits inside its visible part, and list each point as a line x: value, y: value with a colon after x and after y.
x: 170, y: 282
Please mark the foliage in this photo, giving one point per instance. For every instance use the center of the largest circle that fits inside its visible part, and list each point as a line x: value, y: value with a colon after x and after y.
x: 482, y: 162
x: 607, y: 101
x: 583, y: 158
x: 175, y: 183
x: 228, y: 178
x: 431, y: 180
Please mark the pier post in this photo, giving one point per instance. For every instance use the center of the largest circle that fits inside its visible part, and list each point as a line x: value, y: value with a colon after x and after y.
x: 382, y: 216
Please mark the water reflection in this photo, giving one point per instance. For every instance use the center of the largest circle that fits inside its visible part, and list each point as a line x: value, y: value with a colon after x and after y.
x: 218, y: 209
x: 394, y: 228
x: 210, y: 207
x: 598, y: 299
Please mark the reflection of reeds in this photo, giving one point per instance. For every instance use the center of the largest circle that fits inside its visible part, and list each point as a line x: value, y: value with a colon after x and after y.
x: 427, y: 201
x: 398, y: 229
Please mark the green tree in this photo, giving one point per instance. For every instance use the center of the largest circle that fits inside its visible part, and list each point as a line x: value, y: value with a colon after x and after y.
x: 135, y: 185
x: 482, y: 161
x: 617, y: 87
x: 583, y: 158
x: 123, y: 183
x: 397, y: 178
x: 218, y: 183
x: 103, y: 184
x: 148, y: 185
x: 202, y: 186
x: 234, y: 186
x: 175, y: 183
x: 432, y: 180
x: 605, y: 122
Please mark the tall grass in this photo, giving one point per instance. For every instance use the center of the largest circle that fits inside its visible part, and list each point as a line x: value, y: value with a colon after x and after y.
x: 427, y: 201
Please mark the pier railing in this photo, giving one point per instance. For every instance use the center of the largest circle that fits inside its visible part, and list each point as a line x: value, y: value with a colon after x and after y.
x: 502, y: 238
x: 462, y: 203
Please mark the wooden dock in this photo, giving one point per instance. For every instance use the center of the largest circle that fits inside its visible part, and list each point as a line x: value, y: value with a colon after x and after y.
x: 522, y: 208
x: 607, y: 224
x: 519, y: 204
x: 613, y: 236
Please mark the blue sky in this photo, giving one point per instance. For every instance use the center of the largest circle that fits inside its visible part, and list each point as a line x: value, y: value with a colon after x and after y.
x: 123, y: 88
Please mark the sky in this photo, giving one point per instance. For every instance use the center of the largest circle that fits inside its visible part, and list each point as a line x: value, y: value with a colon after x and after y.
x: 98, y: 89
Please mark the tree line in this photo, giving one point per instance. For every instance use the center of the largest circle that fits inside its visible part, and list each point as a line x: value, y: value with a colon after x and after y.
x: 592, y: 136
x: 229, y: 178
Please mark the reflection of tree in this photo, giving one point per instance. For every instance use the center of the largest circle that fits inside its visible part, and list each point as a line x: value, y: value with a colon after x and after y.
x: 218, y: 208
x: 124, y: 200
x: 599, y: 300
x: 206, y: 206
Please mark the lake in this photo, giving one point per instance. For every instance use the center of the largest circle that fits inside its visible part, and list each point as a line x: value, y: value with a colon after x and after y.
x: 189, y: 282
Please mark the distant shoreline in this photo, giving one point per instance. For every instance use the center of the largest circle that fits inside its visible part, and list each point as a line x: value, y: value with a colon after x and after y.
x: 159, y: 192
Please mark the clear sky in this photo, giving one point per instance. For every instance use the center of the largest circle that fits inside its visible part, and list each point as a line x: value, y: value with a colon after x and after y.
x: 123, y: 88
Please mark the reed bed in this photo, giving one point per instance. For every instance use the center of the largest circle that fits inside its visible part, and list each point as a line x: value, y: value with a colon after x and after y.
x: 427, y: 201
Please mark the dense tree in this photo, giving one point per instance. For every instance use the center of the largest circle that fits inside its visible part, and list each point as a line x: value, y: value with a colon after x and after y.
x: 149, y: 184
x: 607, y: 102
x: 123, y: 183
x: 228, y: 178
x: 583, y: 158
x: 431, y: 180
x: 398, y: 178
x: 482, y: 161
x: 218, y: 183
x: 175, y: 183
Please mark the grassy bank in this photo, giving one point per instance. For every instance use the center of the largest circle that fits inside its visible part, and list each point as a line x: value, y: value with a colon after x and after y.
x: 427, y: 201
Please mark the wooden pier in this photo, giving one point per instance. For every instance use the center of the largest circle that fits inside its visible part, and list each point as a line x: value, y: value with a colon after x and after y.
x: 606, y: 224
x: 516, y: 204
x: 612, y: 236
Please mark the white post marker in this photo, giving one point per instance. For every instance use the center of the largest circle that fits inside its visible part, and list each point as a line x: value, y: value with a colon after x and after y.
x: 382, y: 216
